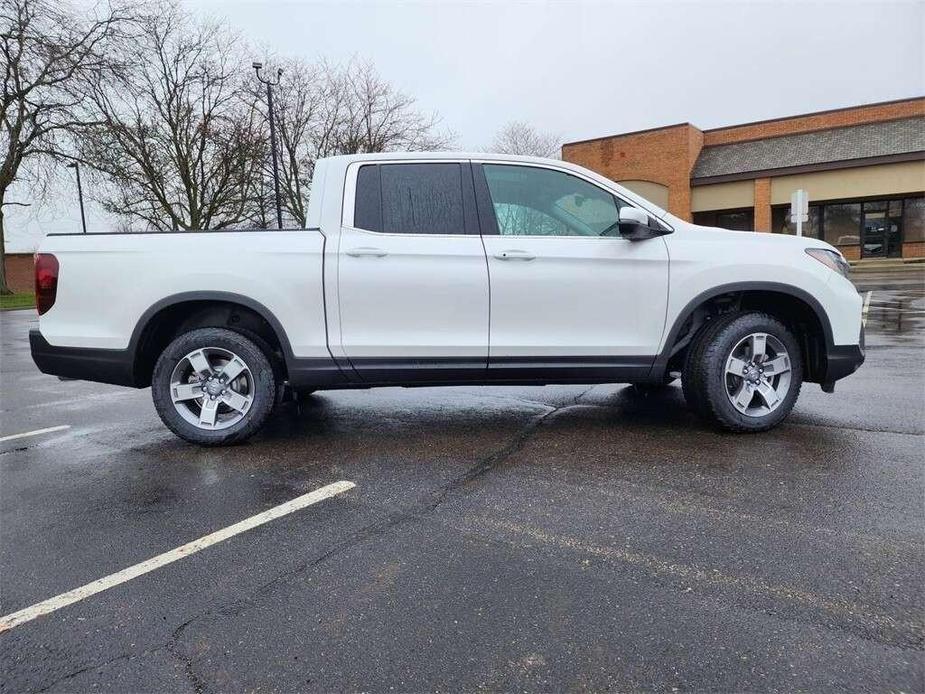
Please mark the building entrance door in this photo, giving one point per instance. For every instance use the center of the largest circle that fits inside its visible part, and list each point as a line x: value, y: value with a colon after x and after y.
x: 881, y: 230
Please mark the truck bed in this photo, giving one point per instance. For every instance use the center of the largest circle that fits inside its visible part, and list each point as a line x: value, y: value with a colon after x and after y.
x: 281, y: 271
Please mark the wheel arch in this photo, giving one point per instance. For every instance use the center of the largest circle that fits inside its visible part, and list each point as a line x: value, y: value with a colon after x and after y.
x: 165, y: 319
x: 796, y: 308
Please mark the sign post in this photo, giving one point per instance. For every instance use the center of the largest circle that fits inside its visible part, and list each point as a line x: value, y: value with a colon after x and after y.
x: 799, y: 209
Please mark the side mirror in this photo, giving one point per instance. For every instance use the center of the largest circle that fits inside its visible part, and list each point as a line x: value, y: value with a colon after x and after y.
x: 636, y: 225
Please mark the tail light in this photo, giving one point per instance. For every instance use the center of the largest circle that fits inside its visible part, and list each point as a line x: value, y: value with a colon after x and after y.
x: 46, y: 281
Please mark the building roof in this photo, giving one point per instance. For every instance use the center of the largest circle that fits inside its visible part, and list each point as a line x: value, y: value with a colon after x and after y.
x: 883, y: 139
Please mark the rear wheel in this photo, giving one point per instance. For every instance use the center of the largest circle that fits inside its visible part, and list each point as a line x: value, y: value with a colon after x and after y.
x: 744, y: 372
x: 213, y: 386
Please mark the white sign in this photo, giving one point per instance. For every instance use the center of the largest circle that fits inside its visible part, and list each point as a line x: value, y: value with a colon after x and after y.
x: 799, y: 209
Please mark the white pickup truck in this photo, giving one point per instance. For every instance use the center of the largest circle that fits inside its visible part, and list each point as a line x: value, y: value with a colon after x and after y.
x: 445, y: 269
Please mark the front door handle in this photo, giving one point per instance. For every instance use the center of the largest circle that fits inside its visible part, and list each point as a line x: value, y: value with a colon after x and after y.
x: 366, y: 251
x: 514, y: 255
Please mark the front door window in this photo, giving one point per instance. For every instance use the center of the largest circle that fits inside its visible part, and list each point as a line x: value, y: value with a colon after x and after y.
x: 532, y: 201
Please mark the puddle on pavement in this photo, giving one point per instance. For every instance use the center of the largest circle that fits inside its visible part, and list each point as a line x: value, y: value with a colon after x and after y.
x: 897, y: 316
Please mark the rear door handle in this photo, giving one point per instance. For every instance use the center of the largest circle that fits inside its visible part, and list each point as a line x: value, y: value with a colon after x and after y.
x: 366, y: 251
x: 514, y: 255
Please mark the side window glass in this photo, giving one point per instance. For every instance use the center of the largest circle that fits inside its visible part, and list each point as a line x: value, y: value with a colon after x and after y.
x: 514, y: 219
x: 409, y: 199
x: 543, y: 202
x: 367, y: 206
x: 422, y: 198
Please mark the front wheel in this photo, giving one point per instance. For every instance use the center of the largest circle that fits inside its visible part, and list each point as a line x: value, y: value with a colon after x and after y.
x: 213, y: 386
x: 744, y: 373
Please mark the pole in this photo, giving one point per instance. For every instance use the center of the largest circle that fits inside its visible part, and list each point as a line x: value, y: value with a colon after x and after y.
x: 80, y: 195
x: 279, y: 207
x: 799, y: 206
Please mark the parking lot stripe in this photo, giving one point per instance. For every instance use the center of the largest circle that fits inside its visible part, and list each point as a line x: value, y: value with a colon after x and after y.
x: 866, y: 308
x: 56, y: 603
x: 25, y: 434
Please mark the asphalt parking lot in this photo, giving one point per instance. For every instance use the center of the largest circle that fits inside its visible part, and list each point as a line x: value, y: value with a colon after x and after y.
x: 580, y: 538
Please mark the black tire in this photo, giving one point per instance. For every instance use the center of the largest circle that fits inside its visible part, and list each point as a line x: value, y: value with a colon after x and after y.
x: 261, y: 381
x: 705, y: 378
x: 690, y: 384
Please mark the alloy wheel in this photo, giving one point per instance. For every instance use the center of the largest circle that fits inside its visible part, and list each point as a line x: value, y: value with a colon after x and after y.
x: 758, y: 374
x: 212, y: 388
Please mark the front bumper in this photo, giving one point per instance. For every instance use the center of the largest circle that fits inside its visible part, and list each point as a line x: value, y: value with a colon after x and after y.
x: 843, y: 360
x: 114, y: 366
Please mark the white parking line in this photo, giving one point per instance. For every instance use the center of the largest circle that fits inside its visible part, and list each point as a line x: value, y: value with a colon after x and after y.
x: 866, y: 308
x: 56, y: 603
x: 34, y: 433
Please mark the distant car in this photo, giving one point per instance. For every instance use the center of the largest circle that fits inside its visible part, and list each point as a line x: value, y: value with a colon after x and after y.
x: 449, y: 269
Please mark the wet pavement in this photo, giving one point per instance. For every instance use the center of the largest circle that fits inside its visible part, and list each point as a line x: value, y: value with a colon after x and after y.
x: 580, y: 538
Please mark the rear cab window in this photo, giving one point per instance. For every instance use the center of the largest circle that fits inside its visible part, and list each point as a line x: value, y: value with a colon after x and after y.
x: 414, y: 198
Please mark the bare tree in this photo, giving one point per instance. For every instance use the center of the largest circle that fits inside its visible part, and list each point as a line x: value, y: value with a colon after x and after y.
x: 379, y: 118
x: 308, y: 104
x: 177, y: 143
x: 46, y: 50
x: 518, y: 137
x: 325, y: 109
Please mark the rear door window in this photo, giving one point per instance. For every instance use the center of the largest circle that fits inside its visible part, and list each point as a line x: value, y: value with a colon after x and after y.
x: 410, y: 198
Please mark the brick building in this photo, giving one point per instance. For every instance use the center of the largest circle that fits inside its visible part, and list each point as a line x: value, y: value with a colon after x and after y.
x: 863, y: 167
x: 19, y: 272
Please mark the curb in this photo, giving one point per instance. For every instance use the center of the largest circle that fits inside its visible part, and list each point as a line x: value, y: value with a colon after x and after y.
x: 886, y: 265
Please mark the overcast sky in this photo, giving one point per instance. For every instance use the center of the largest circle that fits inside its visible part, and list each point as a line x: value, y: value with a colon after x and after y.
x: 584, y: 69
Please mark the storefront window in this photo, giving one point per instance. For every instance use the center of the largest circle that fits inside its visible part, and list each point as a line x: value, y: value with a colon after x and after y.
x: 842, y: 224
x: 736, y: 220
x: 879, y: 227
x: 914, y: 219
x: 781, y: 224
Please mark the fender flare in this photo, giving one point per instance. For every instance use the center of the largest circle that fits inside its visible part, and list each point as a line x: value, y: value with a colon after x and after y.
x: 661, y: 361
x: 302, y: 372
x: 227, y: 297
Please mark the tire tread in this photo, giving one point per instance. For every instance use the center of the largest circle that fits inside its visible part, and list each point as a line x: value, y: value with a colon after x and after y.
x: 692, y: 374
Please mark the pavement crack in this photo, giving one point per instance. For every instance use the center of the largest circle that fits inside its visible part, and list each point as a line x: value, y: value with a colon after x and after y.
x: 198, y: 684
x: 357, y: 537
x: 235, y: 607
x: 485, y: 465
x: 75, y: 673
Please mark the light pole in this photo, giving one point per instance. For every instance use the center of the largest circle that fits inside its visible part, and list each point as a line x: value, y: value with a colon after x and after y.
x: 80, y: 194
x: 279, y: 208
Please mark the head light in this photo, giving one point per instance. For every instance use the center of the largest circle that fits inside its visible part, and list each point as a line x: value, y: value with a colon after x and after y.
x: 832, y: 259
